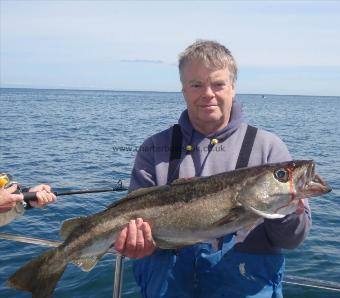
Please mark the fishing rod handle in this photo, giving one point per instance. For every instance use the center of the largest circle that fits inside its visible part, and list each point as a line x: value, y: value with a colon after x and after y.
x: 28, y: 197
x: 31, y: 196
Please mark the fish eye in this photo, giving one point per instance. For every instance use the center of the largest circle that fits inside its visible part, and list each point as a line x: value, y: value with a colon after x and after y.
x: 281, y: 175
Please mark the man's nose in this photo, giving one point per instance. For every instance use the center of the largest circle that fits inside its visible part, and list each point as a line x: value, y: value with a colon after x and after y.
x: 208, y: 91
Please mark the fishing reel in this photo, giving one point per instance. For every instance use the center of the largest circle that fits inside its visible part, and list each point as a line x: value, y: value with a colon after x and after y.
x: 6, y: 180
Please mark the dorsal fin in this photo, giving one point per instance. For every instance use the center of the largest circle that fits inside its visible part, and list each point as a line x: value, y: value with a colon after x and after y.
x: 142, y: 191
x: 137, y: 193
x: 70, y: 225
x: 184, y: 180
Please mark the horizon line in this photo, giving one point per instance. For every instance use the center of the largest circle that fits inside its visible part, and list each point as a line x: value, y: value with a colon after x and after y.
x: 151, y: 91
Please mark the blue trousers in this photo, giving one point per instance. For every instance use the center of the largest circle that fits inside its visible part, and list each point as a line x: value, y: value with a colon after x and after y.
x: 199, y: 271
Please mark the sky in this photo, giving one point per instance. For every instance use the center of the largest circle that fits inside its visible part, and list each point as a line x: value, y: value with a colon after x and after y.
x: 281, y: 47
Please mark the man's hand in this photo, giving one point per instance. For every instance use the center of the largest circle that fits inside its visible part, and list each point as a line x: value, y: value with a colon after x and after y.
x: 8, y: 198
x: 135, y: 241
x: 44, y: 196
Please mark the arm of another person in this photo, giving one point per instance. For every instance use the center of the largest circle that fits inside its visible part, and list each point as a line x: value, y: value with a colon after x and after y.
x: 8, y: 198
x: 135, y: 240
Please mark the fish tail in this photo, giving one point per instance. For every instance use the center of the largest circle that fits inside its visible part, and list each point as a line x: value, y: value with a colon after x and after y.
x: 41, y: 275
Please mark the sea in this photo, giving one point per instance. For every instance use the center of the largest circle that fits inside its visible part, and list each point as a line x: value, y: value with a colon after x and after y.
x: 78, y: 139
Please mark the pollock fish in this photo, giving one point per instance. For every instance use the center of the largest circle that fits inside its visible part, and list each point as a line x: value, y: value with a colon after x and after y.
x: 186, y: 212
x: 8, y: 216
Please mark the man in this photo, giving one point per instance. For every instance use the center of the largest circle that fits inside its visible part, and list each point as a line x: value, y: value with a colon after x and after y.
x: 214, y: 139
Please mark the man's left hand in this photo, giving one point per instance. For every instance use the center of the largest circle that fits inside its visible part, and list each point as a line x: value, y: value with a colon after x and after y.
x: 135, y: 240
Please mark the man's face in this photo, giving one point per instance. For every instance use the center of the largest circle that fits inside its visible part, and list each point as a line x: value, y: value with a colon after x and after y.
x: 208, y: 93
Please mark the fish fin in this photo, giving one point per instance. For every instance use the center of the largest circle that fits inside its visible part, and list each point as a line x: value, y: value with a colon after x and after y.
x: 39, y: 276
x: 86, y: 264
x: 266, y: 215
x: 70, y: 225
x: 144, y: 191
x: 165, y: 244
x: 184, y: 180
x: 231, y: 216
x: 137, y: 193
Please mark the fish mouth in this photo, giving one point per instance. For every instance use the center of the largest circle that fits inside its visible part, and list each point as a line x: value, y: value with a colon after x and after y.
x: 309, y: 184
x: 315, y: 184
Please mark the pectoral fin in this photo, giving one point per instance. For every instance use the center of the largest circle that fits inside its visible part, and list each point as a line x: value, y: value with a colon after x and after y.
x: 266, y: 215
x: 86, y: 264
x: 232, y: 215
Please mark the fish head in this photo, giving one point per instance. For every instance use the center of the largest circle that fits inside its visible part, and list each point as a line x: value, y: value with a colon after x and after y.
x: 275, y: 190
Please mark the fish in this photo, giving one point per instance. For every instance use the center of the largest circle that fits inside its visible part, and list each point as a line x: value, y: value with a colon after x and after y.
x: 186, y: 212
x: 8, y: 216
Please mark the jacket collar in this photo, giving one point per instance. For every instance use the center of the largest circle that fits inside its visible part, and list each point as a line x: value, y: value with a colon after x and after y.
x: 192, y: 136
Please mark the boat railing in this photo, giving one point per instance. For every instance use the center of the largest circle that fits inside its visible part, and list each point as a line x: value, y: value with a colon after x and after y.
x: 119, y: 268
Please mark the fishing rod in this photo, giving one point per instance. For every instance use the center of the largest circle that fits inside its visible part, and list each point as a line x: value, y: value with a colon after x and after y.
x: 32, y: 196
x: 6, y: 181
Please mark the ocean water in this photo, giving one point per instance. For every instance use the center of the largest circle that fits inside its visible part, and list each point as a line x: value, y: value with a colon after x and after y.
x: 87, y: 139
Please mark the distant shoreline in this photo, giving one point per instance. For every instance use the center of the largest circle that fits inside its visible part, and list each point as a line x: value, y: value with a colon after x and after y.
x: 263, y: 95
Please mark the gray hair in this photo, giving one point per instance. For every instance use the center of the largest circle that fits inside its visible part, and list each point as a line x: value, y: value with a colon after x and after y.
x: 212, y: 54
